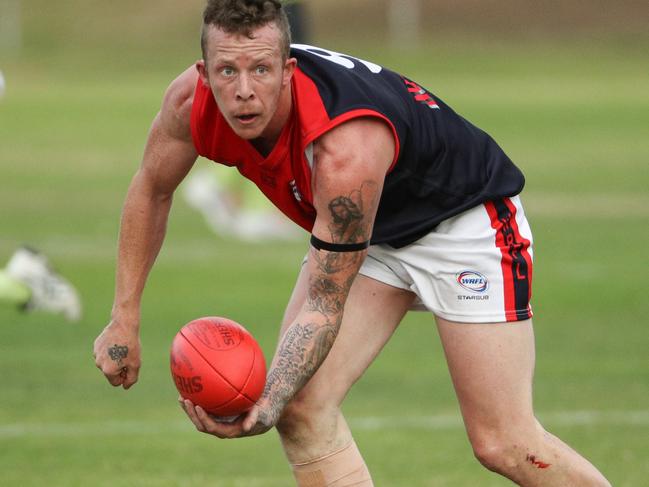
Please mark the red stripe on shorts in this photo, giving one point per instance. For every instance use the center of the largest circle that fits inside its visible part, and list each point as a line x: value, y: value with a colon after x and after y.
x: 516, y: 261
x: 524, y: 252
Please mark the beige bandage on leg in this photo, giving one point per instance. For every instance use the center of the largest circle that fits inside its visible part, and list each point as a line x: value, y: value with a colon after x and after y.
x: 342, y: 468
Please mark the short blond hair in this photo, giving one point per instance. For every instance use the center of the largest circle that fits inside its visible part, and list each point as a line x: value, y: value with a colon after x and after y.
x: 244, y: 16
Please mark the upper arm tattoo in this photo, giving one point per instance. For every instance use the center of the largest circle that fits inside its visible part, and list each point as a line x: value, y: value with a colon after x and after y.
x: 350, y: 214
x: 347, y: 217
x: 351, y: 222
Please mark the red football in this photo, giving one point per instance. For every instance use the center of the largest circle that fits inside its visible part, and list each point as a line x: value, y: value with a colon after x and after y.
x: 217, y: 364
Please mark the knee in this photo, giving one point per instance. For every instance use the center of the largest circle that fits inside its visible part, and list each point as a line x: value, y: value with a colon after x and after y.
x: 304, y: 415
x: 500, y: 452
x: 492, y: 454
x: 296, y: 415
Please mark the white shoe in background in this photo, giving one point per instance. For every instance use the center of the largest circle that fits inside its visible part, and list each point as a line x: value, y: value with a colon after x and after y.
x: 49, y: 290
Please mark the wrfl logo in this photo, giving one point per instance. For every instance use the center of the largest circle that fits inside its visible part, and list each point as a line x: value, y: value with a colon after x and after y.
x: 472, y: 281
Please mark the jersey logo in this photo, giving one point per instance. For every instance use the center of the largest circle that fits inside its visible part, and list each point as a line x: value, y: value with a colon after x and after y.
x: 295, y: 191
x: 268, y: 178
x: 421, y: 95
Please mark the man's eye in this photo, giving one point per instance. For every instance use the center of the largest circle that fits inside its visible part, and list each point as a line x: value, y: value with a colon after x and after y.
x: 261, y: 70
x: 227, y: 71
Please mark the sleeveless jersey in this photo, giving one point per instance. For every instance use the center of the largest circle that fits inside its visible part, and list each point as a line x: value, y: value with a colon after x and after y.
x: 443, y: 165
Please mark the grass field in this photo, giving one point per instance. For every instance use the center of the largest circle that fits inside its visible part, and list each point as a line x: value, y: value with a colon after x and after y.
x: 575, y: 119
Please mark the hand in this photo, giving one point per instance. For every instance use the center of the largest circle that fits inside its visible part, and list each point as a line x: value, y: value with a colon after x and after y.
x: 117, y: 354
x: 253, y: 422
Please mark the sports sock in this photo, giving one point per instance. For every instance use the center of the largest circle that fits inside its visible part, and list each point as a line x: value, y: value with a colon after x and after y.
x: 342, y: 468
x: 13, y: 291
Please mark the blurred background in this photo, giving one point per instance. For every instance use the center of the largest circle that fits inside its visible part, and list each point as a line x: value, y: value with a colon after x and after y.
x: 563, y: 86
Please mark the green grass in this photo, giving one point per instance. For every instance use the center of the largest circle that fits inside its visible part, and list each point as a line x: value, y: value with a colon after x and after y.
x: 573, y: 117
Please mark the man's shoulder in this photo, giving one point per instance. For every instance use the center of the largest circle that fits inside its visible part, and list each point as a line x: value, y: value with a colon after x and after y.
x: 175, y: 113
x: 180, y: 92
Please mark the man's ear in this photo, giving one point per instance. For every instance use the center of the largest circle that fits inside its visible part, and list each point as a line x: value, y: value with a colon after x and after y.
x: 289, y: 69
x: 202, y: 72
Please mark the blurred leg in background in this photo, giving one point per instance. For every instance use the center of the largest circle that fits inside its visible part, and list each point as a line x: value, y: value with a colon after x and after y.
x: 233, y: 207
x: 29, y: 282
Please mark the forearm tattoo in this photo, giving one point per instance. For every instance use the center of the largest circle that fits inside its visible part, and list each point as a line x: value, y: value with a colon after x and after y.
x: 325, y: 296
x: 117, y: 353
x: 306, y: 344
x: 302, y: 350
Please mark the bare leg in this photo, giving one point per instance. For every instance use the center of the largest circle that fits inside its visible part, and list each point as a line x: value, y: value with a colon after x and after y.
x: 492, y: 366
x: 312, y: 426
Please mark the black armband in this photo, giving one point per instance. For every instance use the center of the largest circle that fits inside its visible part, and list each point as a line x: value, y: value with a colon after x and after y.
x: 336, y: 247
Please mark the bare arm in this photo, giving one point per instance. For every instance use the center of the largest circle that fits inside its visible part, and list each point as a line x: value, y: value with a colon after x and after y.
x: 351, y: 163
x: 168, y: 156
x: 350, y: 166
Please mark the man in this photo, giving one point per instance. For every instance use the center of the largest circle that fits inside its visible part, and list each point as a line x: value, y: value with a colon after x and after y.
x: 357, y: 155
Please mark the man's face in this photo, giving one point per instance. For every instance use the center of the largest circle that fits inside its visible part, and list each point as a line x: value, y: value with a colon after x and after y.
x: 249, y: 80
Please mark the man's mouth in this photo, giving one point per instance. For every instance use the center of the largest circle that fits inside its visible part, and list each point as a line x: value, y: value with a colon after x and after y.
x: 246, y: 117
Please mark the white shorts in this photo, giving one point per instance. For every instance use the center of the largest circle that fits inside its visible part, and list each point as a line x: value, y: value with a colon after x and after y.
x: 475, y: 267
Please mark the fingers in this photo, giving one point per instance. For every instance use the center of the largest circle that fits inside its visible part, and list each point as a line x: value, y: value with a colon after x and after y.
x: 188, y: 407
x: 206, y: 424
x: 117, y: 354
x: 250, y: 420
x: 125, y: 376
x: 130, y: 376
x: 115, y: 378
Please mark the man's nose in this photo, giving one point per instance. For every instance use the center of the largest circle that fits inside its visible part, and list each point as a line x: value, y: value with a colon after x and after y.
x: 245, y: 89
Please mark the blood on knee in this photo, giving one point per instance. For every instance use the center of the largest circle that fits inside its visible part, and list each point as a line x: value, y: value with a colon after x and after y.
x: 536, y: 462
